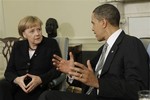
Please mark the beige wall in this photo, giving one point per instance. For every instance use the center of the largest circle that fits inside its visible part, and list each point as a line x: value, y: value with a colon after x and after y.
x: 73, y: 15
x: 1, y: 19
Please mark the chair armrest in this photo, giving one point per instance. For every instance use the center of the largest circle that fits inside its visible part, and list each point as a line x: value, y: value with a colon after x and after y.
x: 57, y: 81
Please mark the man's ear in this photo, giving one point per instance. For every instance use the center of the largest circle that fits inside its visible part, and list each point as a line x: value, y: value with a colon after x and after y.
x: 105, y: 22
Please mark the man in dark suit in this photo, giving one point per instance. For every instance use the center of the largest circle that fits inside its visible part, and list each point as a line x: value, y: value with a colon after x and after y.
x: 125, y: 68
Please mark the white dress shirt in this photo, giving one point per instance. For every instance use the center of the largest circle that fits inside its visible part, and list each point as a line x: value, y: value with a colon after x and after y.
x: 111, y: 40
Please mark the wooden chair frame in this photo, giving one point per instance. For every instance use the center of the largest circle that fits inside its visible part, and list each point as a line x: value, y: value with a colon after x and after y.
x: 8, y: 44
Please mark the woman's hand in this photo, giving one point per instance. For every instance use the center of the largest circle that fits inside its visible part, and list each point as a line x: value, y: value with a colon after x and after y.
x: 20, y: 81
x: 35, y: 81
x: 31, y: 85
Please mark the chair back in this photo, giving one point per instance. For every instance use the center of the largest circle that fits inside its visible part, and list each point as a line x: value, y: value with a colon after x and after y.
x: 7, y: 47
x: 60, y: 82
x: 63, y: 43
x: 146, y: 42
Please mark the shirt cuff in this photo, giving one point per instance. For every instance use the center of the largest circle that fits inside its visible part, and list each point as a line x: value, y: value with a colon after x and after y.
x: 70, y: 78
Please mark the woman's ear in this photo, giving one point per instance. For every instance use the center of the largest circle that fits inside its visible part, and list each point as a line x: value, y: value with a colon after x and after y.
x: 24, y: 35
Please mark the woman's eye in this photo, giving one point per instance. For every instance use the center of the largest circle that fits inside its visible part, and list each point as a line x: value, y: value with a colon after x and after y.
x: 32, y: 31
x: 39, y: 29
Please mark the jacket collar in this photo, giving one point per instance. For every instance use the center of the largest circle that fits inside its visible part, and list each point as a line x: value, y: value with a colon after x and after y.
x: 112, y: 53
x: 25, y: 48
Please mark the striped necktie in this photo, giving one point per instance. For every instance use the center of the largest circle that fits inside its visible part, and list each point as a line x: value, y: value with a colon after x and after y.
x: 100, y: 66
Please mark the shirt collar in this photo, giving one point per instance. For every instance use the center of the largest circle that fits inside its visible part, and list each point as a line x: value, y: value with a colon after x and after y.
x: 113, y: 37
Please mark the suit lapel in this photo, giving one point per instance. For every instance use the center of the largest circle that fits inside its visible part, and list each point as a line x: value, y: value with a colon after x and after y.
x: 112, y: 53
x: 25, y: 50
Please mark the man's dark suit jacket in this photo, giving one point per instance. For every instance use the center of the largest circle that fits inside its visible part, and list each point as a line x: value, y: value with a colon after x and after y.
x: 40, y: 64
x: 125, y: 71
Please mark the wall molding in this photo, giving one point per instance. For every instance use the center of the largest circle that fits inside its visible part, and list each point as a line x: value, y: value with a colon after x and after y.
x: 88, y: 44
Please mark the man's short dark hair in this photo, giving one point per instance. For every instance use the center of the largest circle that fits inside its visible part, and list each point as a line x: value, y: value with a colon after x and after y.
x: 108, y: 12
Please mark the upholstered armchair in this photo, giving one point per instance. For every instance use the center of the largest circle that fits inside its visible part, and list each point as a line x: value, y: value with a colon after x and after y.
x: 63, y: 42
x: 146, y: 42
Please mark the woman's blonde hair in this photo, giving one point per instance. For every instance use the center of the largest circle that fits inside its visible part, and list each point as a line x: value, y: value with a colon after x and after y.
x: 28, y: 22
